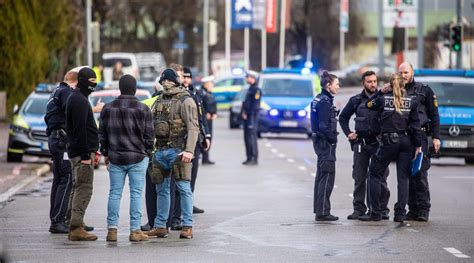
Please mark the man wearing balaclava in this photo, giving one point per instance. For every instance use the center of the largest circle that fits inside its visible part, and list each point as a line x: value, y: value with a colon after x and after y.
x: 126, y: 140
x: 83, y: 142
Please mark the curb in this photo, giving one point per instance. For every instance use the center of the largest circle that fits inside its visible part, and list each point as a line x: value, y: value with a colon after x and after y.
x: 34, y: 175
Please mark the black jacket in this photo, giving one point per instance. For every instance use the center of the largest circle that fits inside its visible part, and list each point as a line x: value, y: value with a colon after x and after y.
x: 427, y: 106
x: 251, y: 104
x: 204, y: 129
x: 208, y: 101
x: 324, y: 116
x: 393, y: 121
x: 55, y: 117
x: 366, y: 121
x: 81, y: 128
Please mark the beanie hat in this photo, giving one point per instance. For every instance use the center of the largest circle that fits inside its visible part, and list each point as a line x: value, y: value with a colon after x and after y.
x: 187, y: 72
x: 169, y: 74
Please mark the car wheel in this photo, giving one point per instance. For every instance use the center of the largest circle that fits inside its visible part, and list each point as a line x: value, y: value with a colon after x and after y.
x: 14, y: 157
x: 469, y: 160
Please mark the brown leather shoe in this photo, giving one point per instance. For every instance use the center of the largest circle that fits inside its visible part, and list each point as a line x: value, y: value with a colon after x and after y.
x: 112, y: 235
x: 187, y: 232
x: 159, y: 232
x: 79, y: 234
x: 138, y: 235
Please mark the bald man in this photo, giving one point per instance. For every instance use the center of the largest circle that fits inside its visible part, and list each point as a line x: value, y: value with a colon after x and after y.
x: 419, y: 194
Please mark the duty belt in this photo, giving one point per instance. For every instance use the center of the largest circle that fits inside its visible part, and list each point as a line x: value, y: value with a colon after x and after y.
x: 367, y: 140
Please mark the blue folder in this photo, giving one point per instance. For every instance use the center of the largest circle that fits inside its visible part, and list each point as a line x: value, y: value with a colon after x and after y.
x: 416, y: 164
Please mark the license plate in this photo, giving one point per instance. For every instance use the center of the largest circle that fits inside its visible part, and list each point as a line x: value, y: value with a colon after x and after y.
x: 455, y: 144
x: 288, y: 124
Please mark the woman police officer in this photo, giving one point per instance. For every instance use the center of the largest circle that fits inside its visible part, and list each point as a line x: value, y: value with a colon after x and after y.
x: 324, y: 127
x: 400, y: 131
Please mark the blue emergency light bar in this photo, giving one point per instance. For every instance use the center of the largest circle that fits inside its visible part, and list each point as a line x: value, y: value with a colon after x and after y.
x: 45, y: 87
x: 303, y: 71
x: 445, y: 72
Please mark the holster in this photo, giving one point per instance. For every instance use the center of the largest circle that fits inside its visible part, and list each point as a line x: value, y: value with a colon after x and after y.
x: 156, y: 172
x: 182, y: 171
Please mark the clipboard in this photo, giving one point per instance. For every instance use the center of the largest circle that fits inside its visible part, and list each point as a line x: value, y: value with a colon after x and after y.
x: 416, y: 164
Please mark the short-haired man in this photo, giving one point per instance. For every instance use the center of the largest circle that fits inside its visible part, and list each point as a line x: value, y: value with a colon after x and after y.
x: 419, y: 202
x: 126, y: 137
x: 364, y: 144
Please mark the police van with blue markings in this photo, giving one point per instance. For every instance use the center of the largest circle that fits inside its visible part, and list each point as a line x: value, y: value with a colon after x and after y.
x: 455, y: 95
x: 286, y: 99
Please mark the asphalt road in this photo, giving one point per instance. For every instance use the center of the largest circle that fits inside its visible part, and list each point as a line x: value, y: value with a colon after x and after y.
x: 261, y: 214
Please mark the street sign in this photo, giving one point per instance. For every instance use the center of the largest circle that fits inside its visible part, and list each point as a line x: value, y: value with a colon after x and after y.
x: 242, y: 12
x: 400, y: 13
x: 344, y: 16
x: 180, y: 45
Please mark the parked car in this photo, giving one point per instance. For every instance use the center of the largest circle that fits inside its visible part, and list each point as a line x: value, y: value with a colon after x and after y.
x: 286, y: 99
x: 27, y: 132
x: 226, y: 87
x: 455, y: 95
x: 129, y: 65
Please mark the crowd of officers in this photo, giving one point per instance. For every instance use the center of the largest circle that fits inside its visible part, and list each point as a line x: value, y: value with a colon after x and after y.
x: 156, y: 143
x: 395, y: 123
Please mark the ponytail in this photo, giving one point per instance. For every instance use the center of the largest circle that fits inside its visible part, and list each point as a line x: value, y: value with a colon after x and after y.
x: 327, y: 78
x: 398, y: 88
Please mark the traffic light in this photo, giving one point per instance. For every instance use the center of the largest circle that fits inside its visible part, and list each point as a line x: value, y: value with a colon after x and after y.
x: 456, y: 38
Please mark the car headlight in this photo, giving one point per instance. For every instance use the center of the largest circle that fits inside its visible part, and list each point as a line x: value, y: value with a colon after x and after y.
x: 302, y: 113
x: 273, y: 112
x: 19, y: 124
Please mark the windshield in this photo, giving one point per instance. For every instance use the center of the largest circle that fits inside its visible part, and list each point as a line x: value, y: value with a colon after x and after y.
x: 453, y: 94
x: 106, y: 99
x: 287, y: 87
x: 110, y: 62
x: 35, y: 105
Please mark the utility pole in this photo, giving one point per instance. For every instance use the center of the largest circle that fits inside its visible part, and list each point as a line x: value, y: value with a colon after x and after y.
x: 381, y: 38
x: 459, y: 5
x: 205, y: 39
x: 246, y: 48
x: 227, y: 33
x: 281, y: 62
x: 89, y: 33
x: 420, y: 40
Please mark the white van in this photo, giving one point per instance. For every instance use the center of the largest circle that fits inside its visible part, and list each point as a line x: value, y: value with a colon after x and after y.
x: 129, y: 65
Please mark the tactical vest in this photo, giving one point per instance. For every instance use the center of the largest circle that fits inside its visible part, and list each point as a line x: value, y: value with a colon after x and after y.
x: 366, y: 120
x: 390, y: 119
x: 418, y: 92
x: 170, y: 129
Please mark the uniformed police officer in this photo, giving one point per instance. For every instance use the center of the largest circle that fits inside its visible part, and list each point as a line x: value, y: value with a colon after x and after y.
x: 250, y: 109
x: 324, y: 127
x: 364, y: 143
x: 419, y: 198
x: 400, y: 131
x: 55, y: 119
x: 210, y: 111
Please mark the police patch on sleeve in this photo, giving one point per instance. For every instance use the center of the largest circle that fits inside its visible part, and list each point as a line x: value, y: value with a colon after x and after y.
x: 257, y: 95
x: 435, y: 101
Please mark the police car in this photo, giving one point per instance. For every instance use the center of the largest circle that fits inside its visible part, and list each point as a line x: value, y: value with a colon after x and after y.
x: 27, y: 132
x: 226, y: 87
x: 455, y: 95
x: 286, y: 99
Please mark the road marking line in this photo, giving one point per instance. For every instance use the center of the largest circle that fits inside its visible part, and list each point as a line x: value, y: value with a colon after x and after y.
x: 281, y: 155
x: 302, y: 168
x: 290, y: 160
x: 273, y: 150
x: 412, y: 230
x: 456, y: 252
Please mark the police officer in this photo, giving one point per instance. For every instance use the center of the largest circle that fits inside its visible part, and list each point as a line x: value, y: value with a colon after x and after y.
x: 62, y: 176
x: 250, y: 109
x: 364, y: 143
x: 210, y: 110
x: 419, y: 197
x: 324, y: 127
x: 400, y: 131
x: 55, y: 119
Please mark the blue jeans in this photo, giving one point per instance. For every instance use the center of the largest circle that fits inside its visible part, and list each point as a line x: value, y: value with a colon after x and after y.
x: 166, y: 158
x: 163, y: 202
x: 136, y: 177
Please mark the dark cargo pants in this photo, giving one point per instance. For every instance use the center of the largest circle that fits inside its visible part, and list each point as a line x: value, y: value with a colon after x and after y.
x: 419, y: 193
x: 82, y: 190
